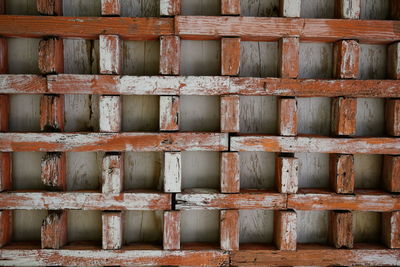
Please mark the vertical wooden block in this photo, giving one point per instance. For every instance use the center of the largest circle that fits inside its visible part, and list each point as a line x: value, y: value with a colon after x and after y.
x: 230, y: 113
x: 391, y: 173
x: 289, y: 8
x: 172, y: 172
x: 347, y: 9
x: 112, y: 173
x: 110, y: 7
x: 2, y: 6
x: 172, y: 230
x: 3, y: 55
x: 51, y: 56
x: 287, y: 116
x: 229, y: 225
x: 54, y: 230
x: 5, y: 157
x: 230, y: 172
x: 344, y: 111
x: 342, y: 176
x: 112, y: 229
x: 170, y: 53
x: 4, y: 112
x: 170, y: 7
x: 394, y: 61
x: 110, y: 114
x: 392, y: 117
x: 341, y: 229
x: 346, y: 59
x: 394, y: 9
x: 5, y: 227
x: 52, y: 113
x: 289, y: 48
x: 169, y: 113
x: 285, y: 229
x: 391, y: 229
x: 110, y: 54
x: 230, y: 56
x: 50, y: 7
x: 54, y: 171
x: 230, y: 7
x: 286, y: 174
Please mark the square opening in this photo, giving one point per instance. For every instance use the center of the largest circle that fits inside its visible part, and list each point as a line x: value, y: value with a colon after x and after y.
x: 259, y: 8
x: 204, y: 7
x: 84, y: 227
x: 142, y: 170
x: 375, y: 9
x: 143, y: 227
x: 200, y: 58
x: 141, y: 57
x: 26, y: 225
x: 316, y: 60
x: 317, y: 9
x: 258, y: 59
x: 140, y: 8
x: 81, y: 113
x: 312, y: 226
x: 370, y: 118
x: 81, y: 56
x: 313, y: 170
x: 368, y: 171
x: 84, y: 171
x: 24, y: 113
x: 200, y: 113
x: 200, y: 170
x: 27, y: 171
x: 140, y: 113
x: 256, y: 226
x: 373, y: 61
x: 78, y: 8
x: 200, y: 226
x: 23, y: 55
x: 21, y: 7
x: 257, y: 170
x: 258, y: 114
x: 367, y: 227
x: 314, y: 115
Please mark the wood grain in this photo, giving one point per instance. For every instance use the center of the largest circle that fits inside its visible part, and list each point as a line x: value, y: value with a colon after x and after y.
x: 54, y: 230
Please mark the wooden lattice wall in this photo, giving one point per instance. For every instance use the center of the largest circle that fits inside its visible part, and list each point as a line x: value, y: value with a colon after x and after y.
x: 346, y: 32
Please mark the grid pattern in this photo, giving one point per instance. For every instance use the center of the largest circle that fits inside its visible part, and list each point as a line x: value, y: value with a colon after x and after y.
x: 341, y: 201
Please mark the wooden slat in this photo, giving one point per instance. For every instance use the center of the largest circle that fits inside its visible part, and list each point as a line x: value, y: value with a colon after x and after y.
x: 289, y: 8
x: 112, y: 173
x: 75, y: 257
x: 112, y: 222
x: 110, y: 7
x: 50, y: 7
x: 113, y: 142
x: 230, y: 172
x: 3, y: 55
x: 262, y: 200
x: 323, y: 200
x: 391, y: 229
x: 286, y: 174
x: 230, y: 114
x: 346, y: 58
x: 341, y: 229
x: 343, y: 121
x: 22, y: 84
x: 110, y: 47
x: 311, y: 144
x: 392, y: 117
x: 110, y: 114
x: 53, y: 173
x: 172, y: 172
x: 85, y: 27
x: 85, y: 201
x: 342, y: 173
x: 170, y: 7
x: 54, y: 230
x: 172, y: 230
x: 6, y: 226
x: 5, y: 158
x: 348, y: 9
x: 268, y: 29
x: 169, y: 113
x: 391, y: 173
x: 230, y: 56
x: 170, y: 53
x: 285, y: 229
x: 394, y: 61
x: 52, y: 113
x: 289, y: 48
x: 230, y: 7
x: 287, y: 116
x: 51, y: 56
x: 229, y: 233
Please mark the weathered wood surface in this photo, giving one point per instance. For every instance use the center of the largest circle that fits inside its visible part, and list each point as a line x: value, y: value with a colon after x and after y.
x: 170, y: 55
x: 341, y: 229
x: 112, y: 236
x: 172, y: 230
x: 110, y: 7
x: 285, y: 230
x: 230, y: 172
x: 229, y: 230
x: 54, y: 230
x: 84, y: 201
x: 169, y: 113
x: 113, y: 142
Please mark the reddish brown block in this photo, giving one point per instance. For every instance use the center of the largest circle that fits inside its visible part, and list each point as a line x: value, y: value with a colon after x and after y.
x: 229, y: 225
x: 230, y: 172
x: 285, y: 229
x: 344, y: 111
x: 289, y: 57
x: 391, y: 229
x: 54, y: 230
x: 54, y: 171
x: 5, y: 171
x: 112, y: 173
x: 230, y: 113
x: 287, y: 116
x: 391, y: 173
x: 110, y: 54
x: 3, y: 55
x: 394, y: 60
x: 50, y: 7
x: 170, y: 7
x: 170, y: 53
x: 112, y: 229
x: 394, y: 9
x: 172, y: 230
x: 169, y: 113
x: 230, y: 7
x: 5, y: 227
x: 51, y: 56
x: 341, y: 229
x: 392, y: 117
x: 346, y: 59
x: 230, y: 56
x: 52, y: 113
x: 347, y: 9
x: 342, y: 174
x: 110, y: 7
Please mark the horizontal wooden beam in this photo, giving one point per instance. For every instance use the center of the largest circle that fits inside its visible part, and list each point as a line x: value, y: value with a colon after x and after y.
x: 85, y: 27
x: 194, y: 85
x: 378, y: 201
x: 271, y: 29
x: 11, y: 142
x: 75, y: 257
x: 84, y: 201
x: 316, y: 144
